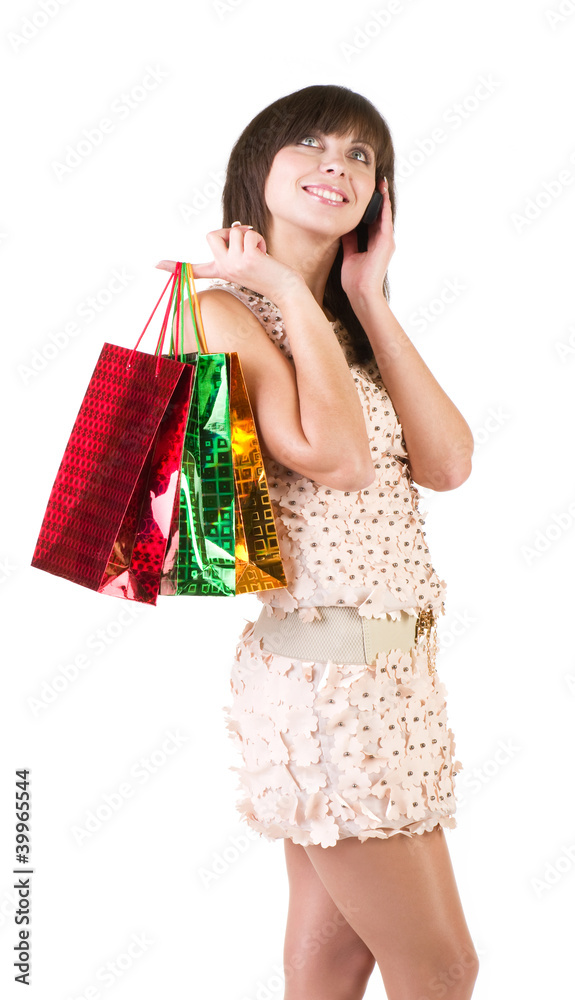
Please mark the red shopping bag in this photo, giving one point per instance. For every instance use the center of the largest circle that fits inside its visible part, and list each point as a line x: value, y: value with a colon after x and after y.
x: 110, y: 510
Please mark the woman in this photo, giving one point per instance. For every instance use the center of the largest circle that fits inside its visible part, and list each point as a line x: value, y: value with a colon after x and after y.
x: 337, y: 710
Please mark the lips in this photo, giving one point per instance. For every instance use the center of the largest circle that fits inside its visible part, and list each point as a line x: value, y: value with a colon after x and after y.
x: 317, y: 188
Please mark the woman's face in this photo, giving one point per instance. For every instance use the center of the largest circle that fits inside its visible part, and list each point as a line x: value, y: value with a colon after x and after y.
x: 322, y: 161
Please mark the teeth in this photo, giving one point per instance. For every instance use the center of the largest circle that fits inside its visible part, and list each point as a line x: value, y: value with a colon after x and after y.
x: 323, y: 193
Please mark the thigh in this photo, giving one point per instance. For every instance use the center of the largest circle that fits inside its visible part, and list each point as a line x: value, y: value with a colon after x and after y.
x: 400, y: 896
x: 319, y: 941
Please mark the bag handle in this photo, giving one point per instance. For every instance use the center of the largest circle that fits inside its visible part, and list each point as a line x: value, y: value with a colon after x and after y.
x: 171, y: 279
x: 176, y: 299
x: 197, y: 324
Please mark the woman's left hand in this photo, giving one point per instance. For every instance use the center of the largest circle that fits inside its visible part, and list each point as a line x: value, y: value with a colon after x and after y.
x: 363, y: 272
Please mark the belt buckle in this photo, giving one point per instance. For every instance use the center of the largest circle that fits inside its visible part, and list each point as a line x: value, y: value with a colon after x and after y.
x: 427, y: 624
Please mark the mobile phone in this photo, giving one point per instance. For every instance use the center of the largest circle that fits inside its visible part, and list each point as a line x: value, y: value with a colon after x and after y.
x: 369, y: 216
x: 372, y: 211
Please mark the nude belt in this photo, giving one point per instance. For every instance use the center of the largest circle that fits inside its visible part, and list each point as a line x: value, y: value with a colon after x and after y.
x: 344, y: 636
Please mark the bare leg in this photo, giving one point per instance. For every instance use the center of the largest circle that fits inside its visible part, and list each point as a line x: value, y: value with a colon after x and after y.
x: 400, y: 897
x: 324, y: 958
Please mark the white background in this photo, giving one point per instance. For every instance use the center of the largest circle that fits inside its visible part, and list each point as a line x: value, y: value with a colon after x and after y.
x: 490, y: 208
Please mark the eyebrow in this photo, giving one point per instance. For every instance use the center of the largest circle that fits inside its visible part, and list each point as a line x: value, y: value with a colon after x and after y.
x: 365, y: 143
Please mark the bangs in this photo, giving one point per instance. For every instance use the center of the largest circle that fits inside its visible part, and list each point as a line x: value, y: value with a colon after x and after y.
x: 333, y: 111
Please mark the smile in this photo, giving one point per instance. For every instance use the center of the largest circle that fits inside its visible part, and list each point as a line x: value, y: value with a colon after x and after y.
x: 322, y: 194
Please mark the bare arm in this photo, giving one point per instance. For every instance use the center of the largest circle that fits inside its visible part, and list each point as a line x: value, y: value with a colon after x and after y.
x: 438, y: 439
x: 273, y: 390
x: 332, y: 418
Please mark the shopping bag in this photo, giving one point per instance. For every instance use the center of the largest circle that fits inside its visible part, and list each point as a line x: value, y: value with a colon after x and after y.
x: 110, y: 509
x: 223, y: 539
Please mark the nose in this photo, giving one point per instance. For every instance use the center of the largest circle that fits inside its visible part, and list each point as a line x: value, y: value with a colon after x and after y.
x: 333, y: 163
x: 333, y: 168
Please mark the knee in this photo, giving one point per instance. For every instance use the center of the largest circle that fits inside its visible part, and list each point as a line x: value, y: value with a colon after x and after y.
x: 352, y: 969
x: 455, y: 972
x: 361, y: 967
x: 343, y: 974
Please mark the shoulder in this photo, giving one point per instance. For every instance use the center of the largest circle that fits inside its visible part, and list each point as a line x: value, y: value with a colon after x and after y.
x: 233, y: 321
x: 245, y: 303
x: 240, y: 293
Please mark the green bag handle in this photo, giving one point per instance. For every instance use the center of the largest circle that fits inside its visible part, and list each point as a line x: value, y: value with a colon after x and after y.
x: 175, y: 297
x: 184, y: 272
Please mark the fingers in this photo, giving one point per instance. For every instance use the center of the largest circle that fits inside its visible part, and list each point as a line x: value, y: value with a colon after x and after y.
x: 232, y: 236
x: 221, y: 234
x: 208, y: 270
x: 250, y: 237
x: 386, y: 210
x: 236, y: 235
x: 235, y: 238
x: 229, y: 238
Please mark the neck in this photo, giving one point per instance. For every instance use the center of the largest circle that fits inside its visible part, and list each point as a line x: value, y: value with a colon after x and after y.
x: 309, y: 253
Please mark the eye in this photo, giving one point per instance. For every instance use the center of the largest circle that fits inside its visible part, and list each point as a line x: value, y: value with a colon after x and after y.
x: 357, y: 149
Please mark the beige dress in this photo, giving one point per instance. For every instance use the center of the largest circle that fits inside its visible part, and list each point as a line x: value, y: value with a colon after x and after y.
x: 332, y: 750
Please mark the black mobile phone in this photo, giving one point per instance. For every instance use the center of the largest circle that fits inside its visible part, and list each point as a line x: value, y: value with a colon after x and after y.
x: 372, y: 211
x: 369, y: 216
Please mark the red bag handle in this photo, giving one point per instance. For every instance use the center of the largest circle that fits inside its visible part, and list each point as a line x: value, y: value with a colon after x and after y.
x: 176, y: 280
x: 160, y: 343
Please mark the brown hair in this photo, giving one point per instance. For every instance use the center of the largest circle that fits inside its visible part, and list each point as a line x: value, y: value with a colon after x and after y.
x: 332, y: 110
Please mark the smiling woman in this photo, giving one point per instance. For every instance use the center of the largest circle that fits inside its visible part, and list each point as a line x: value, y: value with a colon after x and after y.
x: 302, y: 121
x: 337, y: 711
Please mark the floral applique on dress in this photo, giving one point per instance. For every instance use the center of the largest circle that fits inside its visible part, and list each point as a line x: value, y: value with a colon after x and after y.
x: 334, y: 750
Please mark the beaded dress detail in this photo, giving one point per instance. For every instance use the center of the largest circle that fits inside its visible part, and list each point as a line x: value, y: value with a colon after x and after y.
x: 333, y: 750
x: 364, y: 548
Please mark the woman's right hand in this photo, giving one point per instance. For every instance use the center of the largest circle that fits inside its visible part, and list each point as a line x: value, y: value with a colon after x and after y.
x: 240, y: 256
